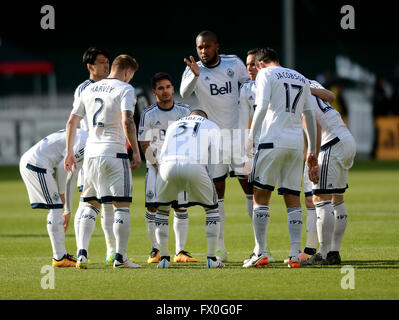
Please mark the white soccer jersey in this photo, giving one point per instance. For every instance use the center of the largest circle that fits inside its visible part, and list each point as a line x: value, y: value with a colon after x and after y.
x: 282, y: 95
x: 103, y: 103
x: 83, y: 123
x: 50, y: 151
x: 217, y: 89
x: 192, y: 139
x: 154, y: 122
x: 329, y: 119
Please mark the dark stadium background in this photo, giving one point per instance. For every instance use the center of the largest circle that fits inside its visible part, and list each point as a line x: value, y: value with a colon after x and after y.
x: 161, y: 34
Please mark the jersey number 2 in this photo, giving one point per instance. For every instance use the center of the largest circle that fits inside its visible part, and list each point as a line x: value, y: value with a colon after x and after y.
x: 95, y: 123
x: 287, y: 96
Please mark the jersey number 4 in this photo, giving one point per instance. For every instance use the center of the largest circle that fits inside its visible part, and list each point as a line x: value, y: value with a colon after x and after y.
x: 288, y: 106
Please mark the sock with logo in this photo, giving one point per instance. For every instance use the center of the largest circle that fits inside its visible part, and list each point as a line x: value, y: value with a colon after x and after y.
x: 86, y: 226
x: 294, y: 220
x: 260, y: 220
x: 55, y: 229
x: 162, y: 232
x: 150, y: 225
x: 212, y: 229
x: 107, y: 224
x: 122, y: 230
x: 180, y: 227
x: 341, y: 220
x: 325, y: 226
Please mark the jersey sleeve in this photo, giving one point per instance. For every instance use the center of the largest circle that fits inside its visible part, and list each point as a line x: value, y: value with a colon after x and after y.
x: 242, y: 71
x: 188, y: 83
x: 128, y: 99
x: 78, y: 106
x: 145, y: 129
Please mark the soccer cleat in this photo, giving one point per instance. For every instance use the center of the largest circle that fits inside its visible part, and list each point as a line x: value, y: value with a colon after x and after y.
x: 164, y: 262
x: 66, y: 261
x: 303, y: 256
x: 250, y: 257
x: 314, y: 260
x: 110, y: 258
x: 213, y: 262
x: 257, y: 261
x: 184, y: 256
x: 155, y: 256
x: 221, y: 255
x: 310, y: 251
x: 82, y: 261
x: 333, y: 258
x: 127, y: 263
x: 294, y: 262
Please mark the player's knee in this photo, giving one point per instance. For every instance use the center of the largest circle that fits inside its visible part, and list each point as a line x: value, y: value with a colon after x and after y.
x: 321, y: 197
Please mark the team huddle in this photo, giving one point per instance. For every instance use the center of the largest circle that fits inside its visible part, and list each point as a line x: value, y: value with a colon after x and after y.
x: 253, y: 122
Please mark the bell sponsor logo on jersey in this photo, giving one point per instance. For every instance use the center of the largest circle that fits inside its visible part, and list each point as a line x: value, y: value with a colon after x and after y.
x: 215, y: 90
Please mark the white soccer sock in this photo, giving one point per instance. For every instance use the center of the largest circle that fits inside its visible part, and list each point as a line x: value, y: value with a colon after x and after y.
x: 76, y: 221
x: 107, y: 224
x: 150, y: 225
x: 162, y: 232
x: 121, y: 228
x: 212, y: 231
x: 222, y: 214
x: 180, y: 227
x: 294, y: 220
x: 341, y: 220
x: 86, y: 226
x: 250, y: 204
x: 260, y: 220
x: 311, y: 229
x: 55, y: 229
x: 325, y: 226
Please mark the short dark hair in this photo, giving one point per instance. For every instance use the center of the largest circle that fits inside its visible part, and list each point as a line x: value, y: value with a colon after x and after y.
x: 123, y: 62
x: 158, y: 77
x: 207, y: 34
x: 253, y: 51
x: 266, y: 55
x: 90, y: 55
x: 198, y: 112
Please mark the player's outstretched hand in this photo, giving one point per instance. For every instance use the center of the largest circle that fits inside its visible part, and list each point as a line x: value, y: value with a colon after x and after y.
x: 313, y: 167
x: 193, y: 65
x: 66, y: 216
x: 70, y: 163
x: 136, y: 161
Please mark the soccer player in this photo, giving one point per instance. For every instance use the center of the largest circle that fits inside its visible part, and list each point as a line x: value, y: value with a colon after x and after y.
x: 153, y: 124
x: 215, y: 80
x: 190, y: 149
x: 109, y: 107
x: 96, y: 60
x: 337, y: 153
x: 37, y: 167
x: 282, y: 95
x: 246, y: 111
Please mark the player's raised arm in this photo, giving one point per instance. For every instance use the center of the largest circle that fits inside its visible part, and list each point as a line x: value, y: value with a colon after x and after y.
x: 129, y: 128
x: 190, y: 77
x: 70, y: 162
x: 323, y: 94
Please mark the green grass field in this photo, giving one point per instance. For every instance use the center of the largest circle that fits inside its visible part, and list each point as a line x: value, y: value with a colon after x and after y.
x: 370, y: 245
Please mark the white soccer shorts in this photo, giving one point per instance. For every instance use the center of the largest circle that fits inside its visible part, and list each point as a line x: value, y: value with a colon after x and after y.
x: 175, y: 177
x: 150, y: 191
x: 107, y: 179
x: 335, y: 159
x: 277, y: 167
x: 42, y: 188
x: 307, y: 184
